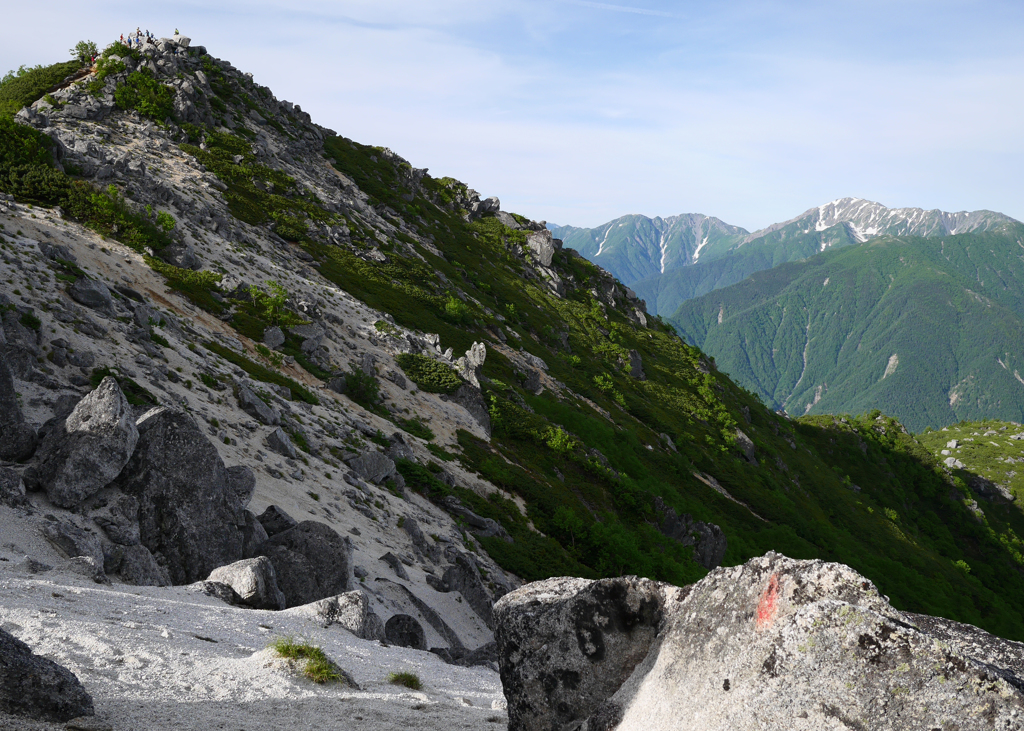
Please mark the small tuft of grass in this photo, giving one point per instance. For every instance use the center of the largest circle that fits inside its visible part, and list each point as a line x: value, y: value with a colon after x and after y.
x: 408, y: 680
x: 318, y: 667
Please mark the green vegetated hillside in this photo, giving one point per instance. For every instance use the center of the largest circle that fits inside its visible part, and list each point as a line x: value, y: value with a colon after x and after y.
x: 987, y: 455
x: 927, y: 330
x: 620, y: 412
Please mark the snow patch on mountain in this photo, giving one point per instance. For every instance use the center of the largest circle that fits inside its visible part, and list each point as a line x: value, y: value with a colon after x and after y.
x: 696, y: 253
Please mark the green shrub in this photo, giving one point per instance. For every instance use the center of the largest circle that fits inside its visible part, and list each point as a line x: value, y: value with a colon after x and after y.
x: 428, y: 374
x: 31, y: 321
x: 165, y: 221
x: 198, y: 287
x: 318, y: 667
x: 159, y: 340
x: 146, y: 95
x: 408, y: 680
x: 271, y: 305
x: 84, y: 51
x: 456, y: 311
x: 21, y: 145
x: 22, y: 87
x: 362, y: 388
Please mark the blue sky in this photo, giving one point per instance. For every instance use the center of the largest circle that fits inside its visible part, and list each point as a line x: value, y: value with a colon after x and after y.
x: 578, y: 112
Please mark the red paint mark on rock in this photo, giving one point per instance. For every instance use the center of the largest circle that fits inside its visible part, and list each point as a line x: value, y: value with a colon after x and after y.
x: 768, y: 607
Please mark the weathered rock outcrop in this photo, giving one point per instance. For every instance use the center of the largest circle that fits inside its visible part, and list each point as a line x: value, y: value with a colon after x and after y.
x: 708, y: 540
x: 464, y: 577
x: 12, y: 487
x: 188, y: 515
x: 773, y: 644
x: 36, y: 687
x: 274, y: 520
x: 85, y: 452
x: 311, y: 562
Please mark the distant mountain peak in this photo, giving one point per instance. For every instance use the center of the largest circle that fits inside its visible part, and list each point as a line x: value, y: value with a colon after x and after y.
x: 866, y: 219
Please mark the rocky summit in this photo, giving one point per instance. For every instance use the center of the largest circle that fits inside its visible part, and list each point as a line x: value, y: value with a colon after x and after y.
x: 288, y: 426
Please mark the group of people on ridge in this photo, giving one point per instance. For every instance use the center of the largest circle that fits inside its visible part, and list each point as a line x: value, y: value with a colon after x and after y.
x: 136, y: 39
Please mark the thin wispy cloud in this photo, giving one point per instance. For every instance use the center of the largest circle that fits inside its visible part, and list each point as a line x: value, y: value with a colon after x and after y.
x: 621, y: 8
x: 579, y: 111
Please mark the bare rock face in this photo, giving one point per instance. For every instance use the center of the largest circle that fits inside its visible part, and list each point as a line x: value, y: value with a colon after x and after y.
x: 36, y: 687
x: 566, y: 645
x: 79, y: 457
x: 464, y: 577
x: 542, y: 246
x: 746, y: 446
x: 254, y: 580
x: 12, y: 487
x: 373, y: 466
x: 189, y: 516
x: 17, y: 439
x: 708, y: 540
x: 257, y: 408
x: 774, y: 644
x: 274, y: 520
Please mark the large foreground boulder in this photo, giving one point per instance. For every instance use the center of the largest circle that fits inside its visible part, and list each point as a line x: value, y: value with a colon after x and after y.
x: 567, y: 644
x: 38, y: 688
x: 773, y: 644
x: 189, y: 513
x: 311, y: 562
x: 81, y: 455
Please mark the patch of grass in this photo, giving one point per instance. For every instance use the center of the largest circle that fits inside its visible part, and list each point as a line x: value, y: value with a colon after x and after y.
x: 262, y: 373
x: 198, y: 287
x: 318, y: 667
x: 405, y: 679
x: 159, y: 339
x: 440, y: 453
x: 416, y: 427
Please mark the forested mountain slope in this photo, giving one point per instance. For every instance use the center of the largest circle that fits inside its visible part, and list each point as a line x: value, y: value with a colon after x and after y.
x: 925, y: 329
